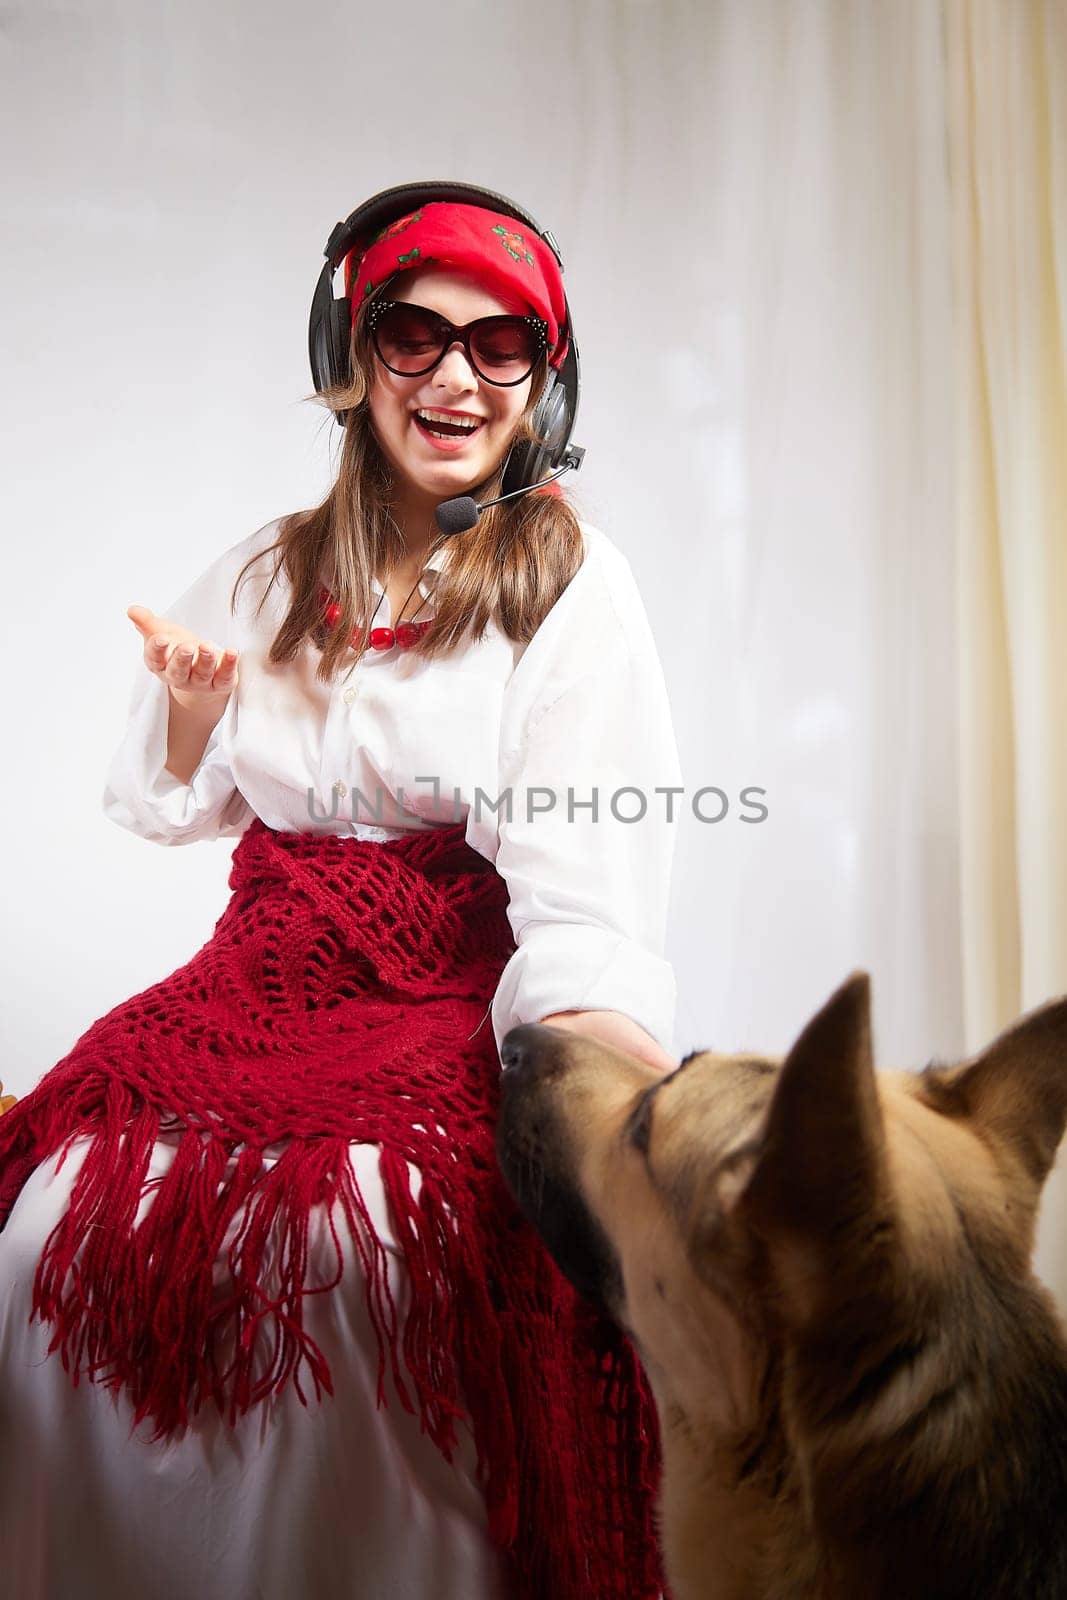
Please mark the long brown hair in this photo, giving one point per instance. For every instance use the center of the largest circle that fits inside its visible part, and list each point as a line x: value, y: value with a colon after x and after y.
x: 511, y: 567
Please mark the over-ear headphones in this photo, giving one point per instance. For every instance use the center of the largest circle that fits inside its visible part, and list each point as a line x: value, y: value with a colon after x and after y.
x: 329, y: 331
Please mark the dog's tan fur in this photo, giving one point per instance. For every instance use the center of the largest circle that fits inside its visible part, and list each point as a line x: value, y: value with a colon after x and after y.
x: 862, y: 1388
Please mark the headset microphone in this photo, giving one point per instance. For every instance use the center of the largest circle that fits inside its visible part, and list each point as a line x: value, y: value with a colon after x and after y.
x: 456, y: 516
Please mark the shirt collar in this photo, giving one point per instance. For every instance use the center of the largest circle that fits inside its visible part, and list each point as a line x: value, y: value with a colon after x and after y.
x: 434, y: 566
x: 440, y: 557
x: 436, y: 563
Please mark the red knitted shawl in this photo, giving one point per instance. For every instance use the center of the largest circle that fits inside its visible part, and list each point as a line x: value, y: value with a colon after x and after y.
x: 342, y: 997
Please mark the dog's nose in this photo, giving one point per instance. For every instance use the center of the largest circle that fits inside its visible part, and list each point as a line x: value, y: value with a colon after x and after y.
x: 518, y: 1044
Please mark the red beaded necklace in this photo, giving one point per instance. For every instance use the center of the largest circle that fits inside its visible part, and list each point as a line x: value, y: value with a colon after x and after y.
x: 404, y: 635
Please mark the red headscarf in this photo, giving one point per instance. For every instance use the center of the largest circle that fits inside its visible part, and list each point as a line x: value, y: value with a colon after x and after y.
x: 492, y: 246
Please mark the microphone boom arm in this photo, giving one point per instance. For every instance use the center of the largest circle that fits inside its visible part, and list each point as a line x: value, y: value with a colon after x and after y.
x: 458, y: 512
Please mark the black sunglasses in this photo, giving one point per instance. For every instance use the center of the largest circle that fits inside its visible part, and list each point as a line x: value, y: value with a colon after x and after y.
x: 410, y: 340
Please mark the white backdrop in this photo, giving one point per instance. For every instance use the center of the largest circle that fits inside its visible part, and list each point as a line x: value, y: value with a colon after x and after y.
x: 751, y: 197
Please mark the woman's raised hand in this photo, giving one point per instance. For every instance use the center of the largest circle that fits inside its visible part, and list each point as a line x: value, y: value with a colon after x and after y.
x: 198, y: 674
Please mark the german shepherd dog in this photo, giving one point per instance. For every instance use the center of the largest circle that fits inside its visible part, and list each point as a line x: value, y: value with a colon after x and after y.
x: 861, y: 1386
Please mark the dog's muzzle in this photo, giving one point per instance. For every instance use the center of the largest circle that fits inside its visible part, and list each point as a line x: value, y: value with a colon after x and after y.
x: 535, y: 1149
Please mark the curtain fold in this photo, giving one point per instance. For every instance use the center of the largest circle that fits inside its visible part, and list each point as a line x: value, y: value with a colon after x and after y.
x: 1007, y: 117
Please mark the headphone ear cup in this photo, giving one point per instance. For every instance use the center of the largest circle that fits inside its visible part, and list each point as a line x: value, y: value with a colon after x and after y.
x: 329, y: 331
x: 530, y: 460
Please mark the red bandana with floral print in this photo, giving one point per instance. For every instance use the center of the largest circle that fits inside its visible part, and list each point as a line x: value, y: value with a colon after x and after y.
x: 497, y: 249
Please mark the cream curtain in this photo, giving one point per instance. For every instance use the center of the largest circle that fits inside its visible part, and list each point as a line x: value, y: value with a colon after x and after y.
x: 1007, y: 80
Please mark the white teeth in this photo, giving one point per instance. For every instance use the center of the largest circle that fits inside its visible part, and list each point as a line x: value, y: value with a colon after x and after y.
x: 443, y: 416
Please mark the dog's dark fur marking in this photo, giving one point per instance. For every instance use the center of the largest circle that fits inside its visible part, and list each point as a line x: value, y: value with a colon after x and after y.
x: 639, y: 1123
x: 877, y: 1378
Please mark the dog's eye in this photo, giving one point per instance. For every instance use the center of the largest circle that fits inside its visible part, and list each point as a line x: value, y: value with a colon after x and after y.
x: 639, y: 1122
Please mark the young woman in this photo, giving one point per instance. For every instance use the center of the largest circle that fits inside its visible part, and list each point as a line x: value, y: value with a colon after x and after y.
x: 278, y: 1162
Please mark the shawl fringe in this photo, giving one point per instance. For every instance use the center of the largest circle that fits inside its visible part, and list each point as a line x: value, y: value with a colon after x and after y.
x: 338, y: 1002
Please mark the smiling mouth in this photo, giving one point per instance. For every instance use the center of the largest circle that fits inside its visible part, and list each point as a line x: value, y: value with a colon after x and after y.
x: 439, y: 429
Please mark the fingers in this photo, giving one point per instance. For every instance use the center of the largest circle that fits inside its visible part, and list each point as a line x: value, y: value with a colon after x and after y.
x: 158, y: 644
x: 156, y: 652
x: 182, y: 660
x: 199, y: 666
x: 142, y: 618
x: 222, y: 675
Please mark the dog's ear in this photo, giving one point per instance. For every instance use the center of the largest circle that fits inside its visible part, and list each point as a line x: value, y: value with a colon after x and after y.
x: 1016, y: 1090
x: 819, y: 1174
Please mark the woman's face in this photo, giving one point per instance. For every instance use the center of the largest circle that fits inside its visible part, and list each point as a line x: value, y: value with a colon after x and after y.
x: 426, y: 472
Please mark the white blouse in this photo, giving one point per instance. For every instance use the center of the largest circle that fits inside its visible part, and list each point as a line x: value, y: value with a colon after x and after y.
x: 517, y: 741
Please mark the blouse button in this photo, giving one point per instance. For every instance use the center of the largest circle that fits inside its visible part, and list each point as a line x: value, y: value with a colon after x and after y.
x: 340, y: 789
x: 349, y: 695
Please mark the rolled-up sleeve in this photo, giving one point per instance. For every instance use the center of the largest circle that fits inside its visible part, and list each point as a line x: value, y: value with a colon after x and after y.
x: 589, y: 889
x: 139, y: 793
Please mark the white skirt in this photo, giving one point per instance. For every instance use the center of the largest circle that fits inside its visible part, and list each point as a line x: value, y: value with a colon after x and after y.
x: 338, y: 1501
